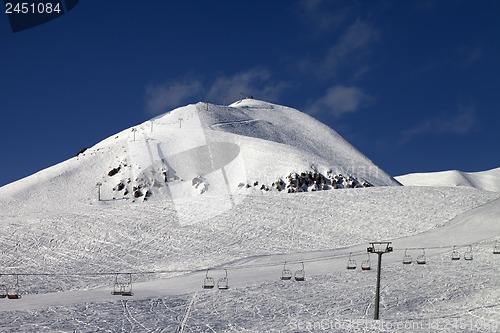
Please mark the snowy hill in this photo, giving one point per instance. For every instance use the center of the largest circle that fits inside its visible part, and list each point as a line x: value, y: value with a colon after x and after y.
x: 486, y: 180
x: 204, y: 149
x: 189, y: 195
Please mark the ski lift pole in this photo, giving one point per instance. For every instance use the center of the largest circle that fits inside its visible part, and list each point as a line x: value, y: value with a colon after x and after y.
x: 379, y: 248
x: 98, y: 185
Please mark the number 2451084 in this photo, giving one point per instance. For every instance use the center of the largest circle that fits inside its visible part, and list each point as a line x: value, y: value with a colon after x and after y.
x: 32, y: 8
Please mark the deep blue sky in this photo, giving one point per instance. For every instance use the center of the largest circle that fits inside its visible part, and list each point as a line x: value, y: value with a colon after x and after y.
x: 414, y: 85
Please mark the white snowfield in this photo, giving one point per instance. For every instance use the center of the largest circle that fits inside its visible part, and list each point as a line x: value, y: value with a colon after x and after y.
x: 63, y: 249
x: 488, y: 180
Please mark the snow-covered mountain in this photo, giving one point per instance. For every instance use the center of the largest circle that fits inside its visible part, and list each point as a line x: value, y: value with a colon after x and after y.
x: 488, y: 180
x: 203, y: 148
x: 189, y: 196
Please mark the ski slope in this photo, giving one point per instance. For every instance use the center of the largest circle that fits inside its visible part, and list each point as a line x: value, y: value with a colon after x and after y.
x: 191, y: 190
x: 252, y: 242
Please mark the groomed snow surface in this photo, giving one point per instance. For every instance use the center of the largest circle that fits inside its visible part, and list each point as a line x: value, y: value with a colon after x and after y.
x: 160, y: 203
x: 252, y: 241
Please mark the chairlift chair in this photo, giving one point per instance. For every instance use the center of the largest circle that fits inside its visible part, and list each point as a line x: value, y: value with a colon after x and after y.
x: 300, y: 275
x: 127, y: 290
x: 15, y: 294
x: 366, y: 265
x: 3, y: 291
x: 286, y: 274
x: 123, y: 287
x: 208, y: 282
x: 351, y: 263
x: 455, y: 255
x: 127, y: 287
x: 117, y: 287
x: 407, y: 259
x: 421, y: 259
x: 496, y: 249
x: 223, y: 283
x: 468, y: 254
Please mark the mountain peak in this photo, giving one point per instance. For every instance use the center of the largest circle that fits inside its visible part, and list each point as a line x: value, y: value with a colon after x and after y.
x: 251, y: 102
x: 204, y: 148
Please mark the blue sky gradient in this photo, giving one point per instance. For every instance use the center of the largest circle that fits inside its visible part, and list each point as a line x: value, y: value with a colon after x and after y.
x: 414, y: 85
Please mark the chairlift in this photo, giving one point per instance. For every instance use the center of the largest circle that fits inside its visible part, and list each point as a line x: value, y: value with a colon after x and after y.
x: 300, y: 275
x: 407, y: 260
x: 421, y: 259
x: 286, y: 274
x: 468, y: 253
x: 3, y: 291
x: 117, y: 288
x: 455, y: 255
x: 208, y: 282
x: 366, y: 265
x: 15, y: 294
x: 127, y: 287
x: 496, y: 249
x: 123, y: 287
x: 351, y: 263
x: 223, y: 283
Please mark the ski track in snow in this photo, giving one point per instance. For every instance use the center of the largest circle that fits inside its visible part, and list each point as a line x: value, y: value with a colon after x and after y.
x: 281, y: 227
x: 66, y: 247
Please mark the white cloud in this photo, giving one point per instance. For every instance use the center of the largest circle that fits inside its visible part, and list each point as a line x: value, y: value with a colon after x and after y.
x: 340, y: 100
x: 324, y: 14
x: 163, y: 97
x: 256, y: 82
x: 351, y: 51
x: 469, y: 56
x: 357, y: 38
x: 353, y: 47
x: 460, y: 123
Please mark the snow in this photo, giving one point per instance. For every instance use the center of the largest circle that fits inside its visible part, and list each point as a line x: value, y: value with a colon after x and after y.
x: 66, y: 247
x: 488, y: 180
x: 273, y: 141
x: 252, y: 241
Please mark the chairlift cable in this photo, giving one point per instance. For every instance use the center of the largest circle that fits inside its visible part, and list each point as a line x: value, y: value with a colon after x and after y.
x: 270, y: 264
